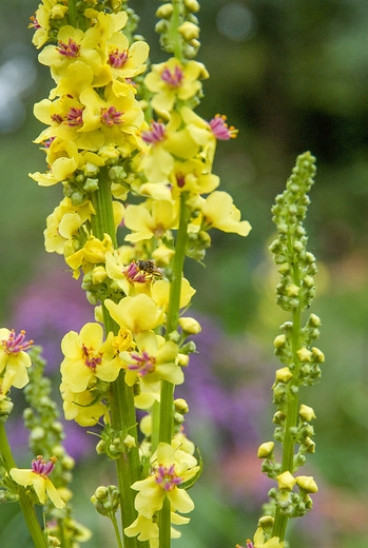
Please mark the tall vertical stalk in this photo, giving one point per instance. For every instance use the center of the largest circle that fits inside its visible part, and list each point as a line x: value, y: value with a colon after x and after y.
x: 123, y: 417
x: 26, y: 506
x: 167, y: 388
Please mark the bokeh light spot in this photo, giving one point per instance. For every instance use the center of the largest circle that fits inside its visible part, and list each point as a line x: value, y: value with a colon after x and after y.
x: 236, y: 21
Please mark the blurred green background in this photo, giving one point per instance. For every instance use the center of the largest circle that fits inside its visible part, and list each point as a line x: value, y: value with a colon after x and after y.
x: 292, y: 76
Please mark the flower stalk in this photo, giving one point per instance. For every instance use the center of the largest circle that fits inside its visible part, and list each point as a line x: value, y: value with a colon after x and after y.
x: 123, y: 416
x: 104, y: 144
x: 301, y: 360
x: 26, y: 506
x: 167, y: 389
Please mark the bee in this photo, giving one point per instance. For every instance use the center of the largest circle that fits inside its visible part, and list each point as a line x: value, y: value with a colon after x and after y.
x: 148, y: 266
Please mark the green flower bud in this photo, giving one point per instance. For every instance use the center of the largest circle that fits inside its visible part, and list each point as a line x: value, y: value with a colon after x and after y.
x: 8, y: 496
x: 307, y: 483
x: 106, y: 499
x: 189, y: 31
x: 304, y: 355
x: 265, y: 522
x: 309, y: 445
x: 101, y: 447
x: 183, y: 359
x: 117, y: 173
x: 284, y: 499
x: 292, y: 290
x: 192, y: 5
x: 99, y: 275
x: 283, y: 375
x: 37, y: 434
x: 279, y: 417
x: 318, y: 355
x: 6, y: 406
x: 91, y: 185
x: 68, y: 462
x: 161, y: 26
x: 308, y: 281
x: 314, y: 320
x: 265, y: 450
x: 306, y: 413
x: 174, y: 336
x: 129, y: 442
x: 286, y: 481
x: 164, y: 11
x: 279, y: 341
x: 90, y: 170
x: 181, y: 406
x: 190, y: 325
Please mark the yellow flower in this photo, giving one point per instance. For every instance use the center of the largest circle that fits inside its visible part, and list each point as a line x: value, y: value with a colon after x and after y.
x: 161, y: 293
x: 147, y: 528
x: 37, y: 477
x: 138, y: 313
x: 64, y: 222
x: 173, y: 80
x: 261, y: 542
x: 153, y: 360
x: 150, y: 219
x: 62, y: 158
x: 190, y: 176
x: 87, y: 356
x: 130, y: 278
x: 170, y: 468
x: 106, y: 24
x: 64, y: 116
x: 90, y: 121
x: 73, y: 45
x: 110, y: 120
x: 14, y: 361
x: 126, y: 61
x: 48, y: 9
x: 219, y: 212
x: 93, y: 252
x: 166, y: 141
x: 83, y: 407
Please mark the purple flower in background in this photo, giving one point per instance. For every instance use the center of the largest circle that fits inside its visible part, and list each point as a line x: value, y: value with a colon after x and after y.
x: 48, y: 308
x: 225, y: 387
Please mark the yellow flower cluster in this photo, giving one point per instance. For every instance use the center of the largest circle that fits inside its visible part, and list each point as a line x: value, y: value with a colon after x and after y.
x: 113, y: 133
x: 14, y: 360
x: 92, y: 114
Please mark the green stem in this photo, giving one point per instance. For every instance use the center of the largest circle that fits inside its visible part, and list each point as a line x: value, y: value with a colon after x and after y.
x: 167, y: 388
x: 174, y: 35
x: 123, y: 417
x: 25, y: 504
x: 165, y: 525
x: 116, y: 529
x: 72, y: 13
x: 281, y: 519
x: 103, y: 221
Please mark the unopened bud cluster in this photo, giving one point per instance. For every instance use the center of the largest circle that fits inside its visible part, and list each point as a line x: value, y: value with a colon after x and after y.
x: 295, y: 264
x: 169, y: 13
x: 106, y: 500
x: 114, y: 443
x: 294, y: 347
x: 41, y: 418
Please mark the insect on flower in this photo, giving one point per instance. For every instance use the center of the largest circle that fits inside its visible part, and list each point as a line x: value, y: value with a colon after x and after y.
x: 148, y: 266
